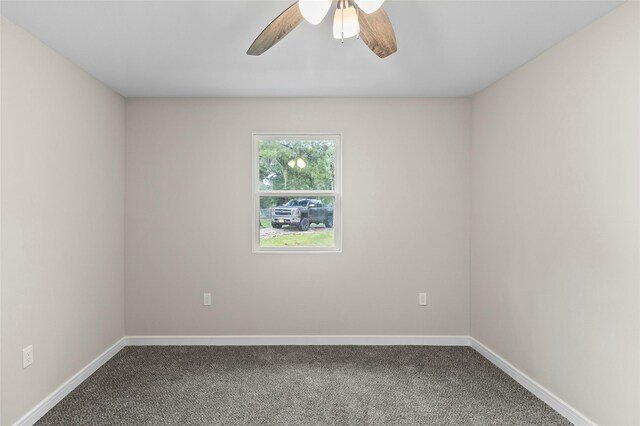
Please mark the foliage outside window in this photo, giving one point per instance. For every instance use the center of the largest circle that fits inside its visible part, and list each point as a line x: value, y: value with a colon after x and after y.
x: 296, y: 192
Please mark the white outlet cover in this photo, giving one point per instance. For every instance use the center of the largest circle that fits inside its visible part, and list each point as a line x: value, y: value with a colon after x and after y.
x: 207, y: 299
x: 27, y: 356
x: 422, y: 299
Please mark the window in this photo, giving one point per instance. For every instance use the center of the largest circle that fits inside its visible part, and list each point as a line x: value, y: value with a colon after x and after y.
x: 296, y: 192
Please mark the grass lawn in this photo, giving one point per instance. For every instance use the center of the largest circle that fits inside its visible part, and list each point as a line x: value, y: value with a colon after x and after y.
x: 310, y: 239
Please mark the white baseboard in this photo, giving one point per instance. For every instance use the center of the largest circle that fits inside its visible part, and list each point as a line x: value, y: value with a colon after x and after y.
x: 56, y: 396
x: 296, y: 340
x: 566, y: 410
x: 531, y: 385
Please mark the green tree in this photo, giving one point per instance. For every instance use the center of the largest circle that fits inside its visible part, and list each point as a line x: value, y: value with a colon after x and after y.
x: 296, y: 165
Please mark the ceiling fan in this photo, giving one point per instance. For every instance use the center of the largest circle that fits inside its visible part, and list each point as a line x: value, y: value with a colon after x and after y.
x: 364, y: 19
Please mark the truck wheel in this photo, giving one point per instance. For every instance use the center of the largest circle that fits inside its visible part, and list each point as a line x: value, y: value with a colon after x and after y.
x: 329, y: 222
x: 304, y: 224
x: 276, y: 225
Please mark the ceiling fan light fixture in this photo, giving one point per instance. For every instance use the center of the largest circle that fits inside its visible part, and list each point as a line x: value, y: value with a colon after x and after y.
x: 314, y: 11
x: 345, y: 23
x: 374, y: 29
x: 369, y: 6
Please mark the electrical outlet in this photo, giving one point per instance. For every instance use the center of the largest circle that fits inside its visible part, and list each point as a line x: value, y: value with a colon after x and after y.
x: 207, y: 299
x: 27, y: 356
x: 422, y: 299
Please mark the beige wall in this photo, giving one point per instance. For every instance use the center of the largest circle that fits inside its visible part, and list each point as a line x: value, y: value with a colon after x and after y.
x: 405, y: 212
x: 62, y: 219
x: 555, y: 277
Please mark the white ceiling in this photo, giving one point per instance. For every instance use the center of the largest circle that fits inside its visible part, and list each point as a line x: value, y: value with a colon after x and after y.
x: 184, y: 48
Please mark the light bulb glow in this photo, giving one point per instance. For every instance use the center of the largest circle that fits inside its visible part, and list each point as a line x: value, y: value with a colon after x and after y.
x: 314, y: 11
x: 369, y: 6
x: 292, y: 163
x: 345, y: 23
x: 301, y: 163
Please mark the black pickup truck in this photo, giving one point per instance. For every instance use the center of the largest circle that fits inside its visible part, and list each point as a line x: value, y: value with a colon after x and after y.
x: 302, y: 212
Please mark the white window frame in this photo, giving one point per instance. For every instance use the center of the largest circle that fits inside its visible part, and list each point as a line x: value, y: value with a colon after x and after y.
x: 336, y: 193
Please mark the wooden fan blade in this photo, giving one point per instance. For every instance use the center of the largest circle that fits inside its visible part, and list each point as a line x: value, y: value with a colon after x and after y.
x: 276, y: 30
x: 377, y: 33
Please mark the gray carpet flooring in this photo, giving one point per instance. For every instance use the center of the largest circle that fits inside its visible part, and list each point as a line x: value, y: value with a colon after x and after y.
x: 300, y: 385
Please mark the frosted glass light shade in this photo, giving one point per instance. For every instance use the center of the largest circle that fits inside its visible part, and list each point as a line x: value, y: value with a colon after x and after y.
x: 314, y: 11
x: 345, y: 23
x: 369, y: 6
